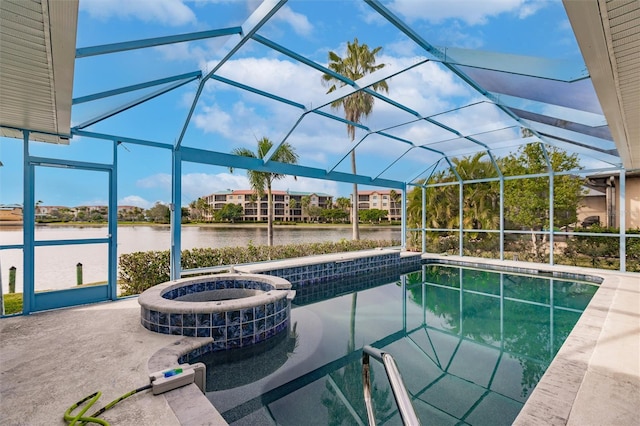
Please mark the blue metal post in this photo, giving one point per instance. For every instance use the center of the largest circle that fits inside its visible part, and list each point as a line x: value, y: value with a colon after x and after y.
x: 28, y: 229
x: 404, y: 217
x: 551, y: 317
x: 501, y: 216
x: 460, y: 208
x: 551, y: 201
x: 623, y: 221
x: 501, y: 176
x: 403, y: 282
x: 424, y: 219
x: 176, y: 213
x: 551, y: 216
x: 501, y: 311
x: 112, y: 277
x: 461, y: 218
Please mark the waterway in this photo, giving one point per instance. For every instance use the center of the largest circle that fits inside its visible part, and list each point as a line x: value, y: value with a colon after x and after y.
x: 56, y: 266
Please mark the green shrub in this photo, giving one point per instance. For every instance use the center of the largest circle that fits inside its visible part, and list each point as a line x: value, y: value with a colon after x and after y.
x: 142, y: 270
x: 601, y: 251
x: 12, y: 303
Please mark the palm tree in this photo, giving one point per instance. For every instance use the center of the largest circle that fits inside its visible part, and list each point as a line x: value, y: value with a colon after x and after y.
x: 343, y: 203
x: 480, y: 205
x: 358, y: 62
x: 395, y: 198
x: 259, y: 180
x: 305, y: 202
x: 481, y: 200
x: 203, y: 208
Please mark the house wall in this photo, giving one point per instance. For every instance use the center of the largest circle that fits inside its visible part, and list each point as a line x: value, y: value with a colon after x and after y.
x: 609, y: 202
x: 632, y: 192
x: 593, y: 206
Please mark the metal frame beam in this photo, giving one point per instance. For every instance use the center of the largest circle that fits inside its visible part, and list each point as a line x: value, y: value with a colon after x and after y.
x: 200, y: 156
x: 88, y: 98
x: 133, y: 103
x: 103, y: 49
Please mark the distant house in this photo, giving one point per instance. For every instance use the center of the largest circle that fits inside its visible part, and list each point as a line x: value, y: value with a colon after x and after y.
x: 45, y: 211
x: 10, y: 214
x: 603, y: 198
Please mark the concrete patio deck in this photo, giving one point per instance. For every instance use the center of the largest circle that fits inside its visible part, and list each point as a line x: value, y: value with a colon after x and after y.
x: 50, y: 360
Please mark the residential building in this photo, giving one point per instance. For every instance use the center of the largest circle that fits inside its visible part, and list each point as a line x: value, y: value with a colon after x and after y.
x: 382, y: 199
x: 287, y: 205
x: 43, y: 211
x: 602, y: 200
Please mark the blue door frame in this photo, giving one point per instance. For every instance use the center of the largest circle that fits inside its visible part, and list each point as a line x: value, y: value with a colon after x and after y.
x: 34, y: 302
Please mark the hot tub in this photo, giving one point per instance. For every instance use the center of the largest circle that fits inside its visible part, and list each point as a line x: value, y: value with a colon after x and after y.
x: 236, y: 310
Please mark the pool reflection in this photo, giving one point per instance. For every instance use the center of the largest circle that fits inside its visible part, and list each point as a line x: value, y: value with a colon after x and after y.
x: 470, y: 345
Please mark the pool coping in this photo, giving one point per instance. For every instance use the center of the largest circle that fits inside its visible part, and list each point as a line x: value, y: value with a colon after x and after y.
x: 564, y: 394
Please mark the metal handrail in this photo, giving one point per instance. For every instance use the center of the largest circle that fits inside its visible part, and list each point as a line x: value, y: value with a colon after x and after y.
x: 407, y: 413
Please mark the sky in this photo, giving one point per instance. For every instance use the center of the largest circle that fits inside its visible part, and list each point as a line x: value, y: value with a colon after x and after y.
x: 226, y: 118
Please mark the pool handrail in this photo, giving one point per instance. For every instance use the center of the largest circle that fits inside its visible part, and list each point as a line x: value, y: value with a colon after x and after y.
x: 400, y: 394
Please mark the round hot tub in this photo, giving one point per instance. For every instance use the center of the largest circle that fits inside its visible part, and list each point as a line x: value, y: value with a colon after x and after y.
x: 236, y: 310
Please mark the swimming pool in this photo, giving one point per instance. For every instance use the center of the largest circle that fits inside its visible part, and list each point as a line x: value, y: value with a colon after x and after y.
x: 470, y: 344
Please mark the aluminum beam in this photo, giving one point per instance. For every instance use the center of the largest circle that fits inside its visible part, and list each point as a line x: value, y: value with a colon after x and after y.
x: 237, y: 162
x: 84, y: 52
x: 88, y: 98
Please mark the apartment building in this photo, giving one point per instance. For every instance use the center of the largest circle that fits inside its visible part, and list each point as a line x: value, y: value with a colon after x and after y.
x: 287, y: 205
x: 382, y: 199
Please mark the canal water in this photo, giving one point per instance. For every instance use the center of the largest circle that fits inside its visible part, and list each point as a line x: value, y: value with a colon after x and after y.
x: 56, y: 266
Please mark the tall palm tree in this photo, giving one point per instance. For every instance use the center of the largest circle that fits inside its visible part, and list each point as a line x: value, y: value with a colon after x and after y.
x: 358, y: 62
x: 259, y: 180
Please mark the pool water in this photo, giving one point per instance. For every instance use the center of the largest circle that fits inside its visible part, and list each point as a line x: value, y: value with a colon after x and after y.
x: 470, y: 344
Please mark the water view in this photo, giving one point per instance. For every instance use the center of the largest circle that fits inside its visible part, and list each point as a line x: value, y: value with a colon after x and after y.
x: 56, y: 266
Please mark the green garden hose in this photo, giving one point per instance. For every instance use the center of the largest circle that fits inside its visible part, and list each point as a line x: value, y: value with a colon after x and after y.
x: 90, y: 400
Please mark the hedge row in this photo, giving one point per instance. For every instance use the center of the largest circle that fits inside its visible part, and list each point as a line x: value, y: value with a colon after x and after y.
x: 142, y: 270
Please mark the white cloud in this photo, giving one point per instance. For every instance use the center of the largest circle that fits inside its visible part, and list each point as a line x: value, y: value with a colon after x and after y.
x: 302, y: 184
x: 402, y: 48
x: 212, y: 119
x: 94, y: 202
x: 530, y: 8
x: 196, y: 185
x: 472, y: 12
x: 291, y: 80
x: 135, y: 200
x: 320, y: 142
x: 298, y: 22
x: 159, y: 180
x: 167, y: 12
